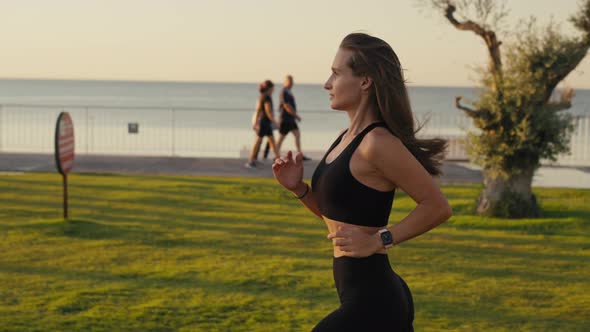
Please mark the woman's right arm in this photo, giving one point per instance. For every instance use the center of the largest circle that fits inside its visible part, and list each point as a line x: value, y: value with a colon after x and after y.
x: 308, y: 200
x: 289, y: 109
x: 289, y: 173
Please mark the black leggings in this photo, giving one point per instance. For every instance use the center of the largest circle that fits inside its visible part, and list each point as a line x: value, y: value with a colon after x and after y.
x: 372, y: 297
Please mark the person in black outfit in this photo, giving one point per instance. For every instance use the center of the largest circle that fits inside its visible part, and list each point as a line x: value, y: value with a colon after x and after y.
x: 288, y: 118
x: 353, y: 186
x: 264, y: 121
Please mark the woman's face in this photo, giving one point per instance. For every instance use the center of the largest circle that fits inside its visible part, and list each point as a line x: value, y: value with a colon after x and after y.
x: 269, y: 91
x: 344, y: 88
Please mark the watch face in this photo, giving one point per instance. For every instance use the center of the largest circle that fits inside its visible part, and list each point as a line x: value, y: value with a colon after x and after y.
x: 386, y: 238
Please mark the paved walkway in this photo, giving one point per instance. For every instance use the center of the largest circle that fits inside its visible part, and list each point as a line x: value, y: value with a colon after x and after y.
x: 16, y: 162
x: 555, y: 176
x: 454, y: 172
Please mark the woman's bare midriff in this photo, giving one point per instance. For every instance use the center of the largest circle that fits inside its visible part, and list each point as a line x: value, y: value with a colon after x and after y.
x: 334, y: 224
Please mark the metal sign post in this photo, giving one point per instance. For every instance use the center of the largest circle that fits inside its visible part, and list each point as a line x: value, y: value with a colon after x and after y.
x: 64, y: 151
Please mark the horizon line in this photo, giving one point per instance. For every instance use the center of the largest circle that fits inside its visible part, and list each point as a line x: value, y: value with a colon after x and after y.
x: 187, y: 81
x: 218, y: 82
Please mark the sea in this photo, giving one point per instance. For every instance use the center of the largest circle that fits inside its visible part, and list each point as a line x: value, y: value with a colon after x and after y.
x: 208, y: 119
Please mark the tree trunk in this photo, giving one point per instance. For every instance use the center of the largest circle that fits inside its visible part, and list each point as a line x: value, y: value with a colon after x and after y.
x: 509, y: 198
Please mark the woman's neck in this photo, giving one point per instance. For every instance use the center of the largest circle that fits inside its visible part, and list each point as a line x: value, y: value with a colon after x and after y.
x: 361, y: 117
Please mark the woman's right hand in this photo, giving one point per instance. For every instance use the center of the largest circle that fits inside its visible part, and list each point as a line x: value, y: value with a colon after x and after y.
x: 289, y: 171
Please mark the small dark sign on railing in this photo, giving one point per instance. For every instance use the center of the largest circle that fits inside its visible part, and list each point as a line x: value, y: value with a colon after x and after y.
x: 133, y: 128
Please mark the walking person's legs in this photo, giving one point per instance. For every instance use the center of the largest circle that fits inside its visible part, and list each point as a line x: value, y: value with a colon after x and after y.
x: 273, y: 145
x: 254, y: 152
x: 280, y: 141
x: 266, y: 150
x: 297, y: 135
x: 257, y: 153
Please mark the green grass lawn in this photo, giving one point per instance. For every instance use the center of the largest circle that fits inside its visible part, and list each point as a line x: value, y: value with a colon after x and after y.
x: 179, y: 253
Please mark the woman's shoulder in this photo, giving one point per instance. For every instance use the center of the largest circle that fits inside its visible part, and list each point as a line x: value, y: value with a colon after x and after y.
x: 380, y: 133
x: 380, y: 140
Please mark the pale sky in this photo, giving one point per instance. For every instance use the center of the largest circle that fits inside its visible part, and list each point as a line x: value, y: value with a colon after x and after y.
x: 240, y: 40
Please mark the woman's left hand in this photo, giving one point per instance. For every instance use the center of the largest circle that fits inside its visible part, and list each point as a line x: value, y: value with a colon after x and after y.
x: 354, y: 242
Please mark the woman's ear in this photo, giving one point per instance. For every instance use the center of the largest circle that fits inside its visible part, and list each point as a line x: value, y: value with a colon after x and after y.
x: 366, y: 83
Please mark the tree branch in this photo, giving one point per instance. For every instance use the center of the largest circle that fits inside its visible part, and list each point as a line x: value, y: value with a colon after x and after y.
x: 561, y: 72
x: 488, y: 36
x: 487, y: 122
x: 558, y: 106
x: 467, y: 25
x: 470, y: 112
x: 582, y: 20
x: 476, y: 114
x: 565, y: 101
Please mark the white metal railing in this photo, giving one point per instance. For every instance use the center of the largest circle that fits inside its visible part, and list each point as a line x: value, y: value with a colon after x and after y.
x: 194, y: 132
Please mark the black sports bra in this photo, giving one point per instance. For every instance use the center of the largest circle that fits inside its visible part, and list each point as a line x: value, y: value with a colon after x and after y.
x: 343, y: 198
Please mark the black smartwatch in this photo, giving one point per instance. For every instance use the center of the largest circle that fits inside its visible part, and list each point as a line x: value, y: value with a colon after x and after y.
x: 386, y: 238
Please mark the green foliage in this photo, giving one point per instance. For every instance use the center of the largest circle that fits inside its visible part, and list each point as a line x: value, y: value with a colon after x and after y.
x: 523, y: 125
x: 181, y: 253
x: 582, y: 20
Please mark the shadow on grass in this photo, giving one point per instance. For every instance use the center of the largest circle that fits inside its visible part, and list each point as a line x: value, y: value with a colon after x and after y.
x: 244, y: 239
x: 497, y: 263
x: 488, y: 313
x: 168, y: 215
x: 282, y: 284
x: 88, y: 229
x: 559, y: 225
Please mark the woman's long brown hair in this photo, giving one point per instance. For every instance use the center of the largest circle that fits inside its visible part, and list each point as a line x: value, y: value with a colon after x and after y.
x: 374, y: 58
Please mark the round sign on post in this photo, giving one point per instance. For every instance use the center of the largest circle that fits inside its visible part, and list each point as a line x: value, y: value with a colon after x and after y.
x: 64, y: 151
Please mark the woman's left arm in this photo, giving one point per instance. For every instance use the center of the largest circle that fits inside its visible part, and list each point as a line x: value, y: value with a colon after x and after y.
x: 397, y: 164
x: 387, y: 154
